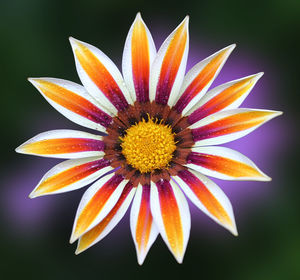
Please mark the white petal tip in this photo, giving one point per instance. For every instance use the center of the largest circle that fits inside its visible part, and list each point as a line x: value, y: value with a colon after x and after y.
x: 33, y: 195
x: 73, y: 239
x: 278, y: 113
x: 227, y: 51
x: 78, y: 251
x: 138, y: 15
x: 231, y: 47
x: 259, y: 75
x: 37, y: 193
x: 265, y: 178
x: 74, y: 42
x: 261, y: 177
x: 34, y: 81
x: 274, y: 114
x: 186, y: 20
x: 255, y: 77
x: 140, y: 261
x: 179, y: 259
x: 233, y: 230
x: 235, y: 233
x: 20, y: 149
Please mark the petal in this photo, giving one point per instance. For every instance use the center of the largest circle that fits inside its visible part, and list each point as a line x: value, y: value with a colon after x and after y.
x: 226, y: 126
x: 199, y: 79
x: 73, y: 102
x: 96, y: 203
x: 171, y: 215
x: 100, y: 76
x: 143, y: 229
x: 224, y: 163
x: 63, y: 143
x: 226, y: 96
x: 98, y: 232
x: 208, y: 197
x: 138, y: 55
x: 168, y: 69
x: 71, y: 175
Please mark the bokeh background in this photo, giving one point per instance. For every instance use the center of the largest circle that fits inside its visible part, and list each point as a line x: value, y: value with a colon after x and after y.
x: 34, y: 233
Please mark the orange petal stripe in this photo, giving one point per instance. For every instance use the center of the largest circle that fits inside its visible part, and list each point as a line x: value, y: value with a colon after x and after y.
x: 222, y: 100
x: 171, y: 64
x: 63, y: 146
x: 145, y: 220
x: 206, y: 197
x: 140, y: 61
x: 170, y: 215
x: 100, y: 76
x: 203, y: 78
x: 95, y: 205
x: 70, y: 176
x: 88, y: 238
x: 230, y: 124
x: 223, y: 165
x: 73, y: 102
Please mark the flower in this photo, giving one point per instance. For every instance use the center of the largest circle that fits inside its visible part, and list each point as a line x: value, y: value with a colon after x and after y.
x: 158, y: 127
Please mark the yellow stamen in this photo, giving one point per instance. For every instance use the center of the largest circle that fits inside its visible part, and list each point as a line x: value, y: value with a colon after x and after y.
x: 148, y: 145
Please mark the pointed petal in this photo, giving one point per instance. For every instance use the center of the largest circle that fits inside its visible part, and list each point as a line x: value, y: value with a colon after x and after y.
x: 168, y: 69
x: 100, y: 76
x: 143, y: 229
x: 226, y: 96
x: 71, y: 175
x: 226, y: 126
x: 171, y: 215
x: 96, y: 203
x: 138, y: 55
x: 199, y: 79
x: 208, y: 197
x: 73, y: 101
x: 63, y: 143
x: 98, y: 232
x: 224, y: 163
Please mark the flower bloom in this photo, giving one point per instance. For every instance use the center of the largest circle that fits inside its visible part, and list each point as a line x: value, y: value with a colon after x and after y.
x: 160, y: 127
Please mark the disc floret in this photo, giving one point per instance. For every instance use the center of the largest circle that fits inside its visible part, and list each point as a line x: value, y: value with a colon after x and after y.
x: 148, y: 145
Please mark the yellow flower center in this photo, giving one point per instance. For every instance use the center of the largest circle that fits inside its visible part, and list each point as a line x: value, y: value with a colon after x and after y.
x: 148, y: 145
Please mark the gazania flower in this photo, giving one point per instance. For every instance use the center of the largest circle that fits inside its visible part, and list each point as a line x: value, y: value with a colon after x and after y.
x: 157, y: 130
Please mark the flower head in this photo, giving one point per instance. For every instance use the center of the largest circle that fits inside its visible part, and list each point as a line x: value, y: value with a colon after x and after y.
x: 160, y: 126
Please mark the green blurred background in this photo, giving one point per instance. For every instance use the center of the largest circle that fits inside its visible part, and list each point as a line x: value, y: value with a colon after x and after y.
x: 34, y: 233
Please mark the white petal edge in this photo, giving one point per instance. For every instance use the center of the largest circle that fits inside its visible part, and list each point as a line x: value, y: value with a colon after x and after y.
x: 65, y: 165
x: 91, y: 86
x: 76, y: 89
x: 194, y: 72
x: 230, y: 154
x: 215, y: 190
x: 232, y: 136
x: 59, y: 134
x: 88, y: 195
x: 126, y: 61
x: 215, y: 91
x: 134, y: 213
x: 184, y: 213
x: 113, y: 222
x: 157, y: 63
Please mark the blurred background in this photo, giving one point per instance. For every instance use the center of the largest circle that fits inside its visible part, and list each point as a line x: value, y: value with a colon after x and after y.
x: 34, y: 233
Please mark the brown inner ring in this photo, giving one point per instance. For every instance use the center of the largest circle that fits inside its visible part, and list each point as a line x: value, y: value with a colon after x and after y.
x: 134, y: 114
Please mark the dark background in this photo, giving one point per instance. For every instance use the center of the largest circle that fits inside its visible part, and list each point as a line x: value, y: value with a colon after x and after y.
x: 34, y: 233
